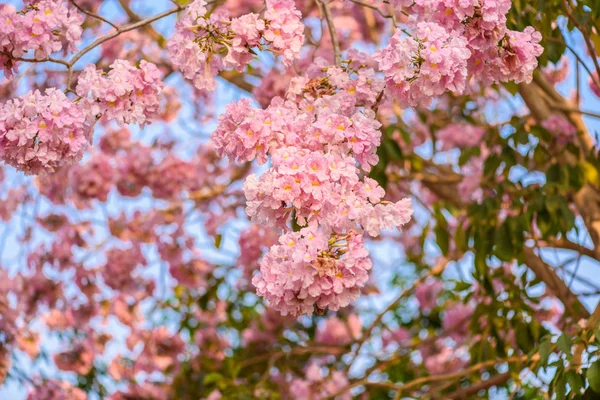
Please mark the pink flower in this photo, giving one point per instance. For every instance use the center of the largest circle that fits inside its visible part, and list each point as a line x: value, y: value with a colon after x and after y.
x: 562, y: 130
x: 424, y: 66
x: 447, y: 360
x: 170, y: 177
x: 337, y: 332
x: 427, y: 294
x: 42, y: 30
x: 316, y: 385
x: 79, y: 359
x: 304, y: 272
x: 127, y: 94
x: 56, y: 390
x: 456, y: 320
x: 284, y: 29
x: 458, y: 135
x: 41, y: 132
x: 120, y: 266
x: 400, y: 336
x: 203, y: 45
x: 93, y: 180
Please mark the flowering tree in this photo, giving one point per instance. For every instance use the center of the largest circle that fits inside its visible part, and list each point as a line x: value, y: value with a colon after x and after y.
x: 310, y: 199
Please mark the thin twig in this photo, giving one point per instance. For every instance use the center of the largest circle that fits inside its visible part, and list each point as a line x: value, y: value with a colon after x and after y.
x: 337, y: 55
x: 584, y: 33
x: 98, y: 17
x: 372, y: 7
x: 574, y: 110
x: 577, y: 56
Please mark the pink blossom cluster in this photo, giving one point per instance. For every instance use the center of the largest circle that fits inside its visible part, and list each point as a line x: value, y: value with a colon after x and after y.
x: 78, y: 359
x: 11, y: 202
x: 203, y: 44
x: 126, y: 94
x: 460, y: 135
x: 160, y: 351
x: 322, y: 189
x: 450, y: 41
x: 424, y: 65
x: 317, y: 385
x: 563, y: 131
x: 446, y: 359
x: 133, y: 168
x: 118, y: 273
x: 41, y: 131
x: 308, y: 270
x: 456, y: 320
x: 42, y: 28
x: 338, y: 332
x: 170, y: 176
x: 93, y: 180
x: 558, y: 72
x: 315, y: 140
x: 427, y: 294
x: 254, y: 242
x: 56, y: 390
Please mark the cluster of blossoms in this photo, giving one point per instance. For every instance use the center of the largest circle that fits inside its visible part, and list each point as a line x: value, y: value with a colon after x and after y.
x: 451, y: 40
x: 315, y: 139
x: 42, y: 28
x: 94, y: 179
x: 318, y: 386
x: 460, y: 135
x: 120, y: 266
x: 309, y: 270
x: 427, y: 294
x: 42, y: 131
x: 126, y: 94
x: 337, y: 332
x: 57, y: 390
x: 424, y: 65
x: 253, y: 242
x: 203, y: 45
x: 563, y: 131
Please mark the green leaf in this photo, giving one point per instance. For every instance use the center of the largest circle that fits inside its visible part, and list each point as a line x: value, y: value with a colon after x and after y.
x: 593, y: 376
x: 575, y: 381
x: 442, y: 238
x: 211, y: 378
x: 553, y: 203
x: 564, y: 344
x: 545, y: 349
x: 503, y: 243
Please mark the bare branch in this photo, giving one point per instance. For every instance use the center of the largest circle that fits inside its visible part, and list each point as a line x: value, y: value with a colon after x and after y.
x: 96, y: 16
x: 337, y: 55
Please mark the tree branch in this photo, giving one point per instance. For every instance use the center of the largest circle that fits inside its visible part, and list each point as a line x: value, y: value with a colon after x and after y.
x: 403, y: 387
x: 555, y: 285
x: 90, y: 14
x: 337, y: 55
